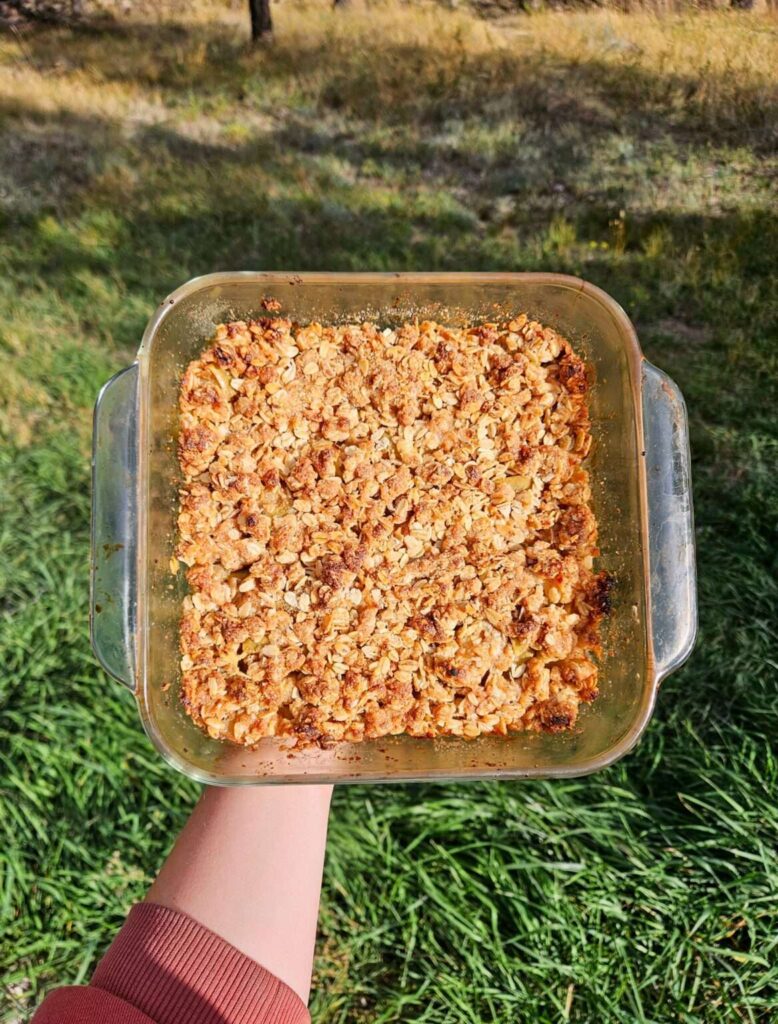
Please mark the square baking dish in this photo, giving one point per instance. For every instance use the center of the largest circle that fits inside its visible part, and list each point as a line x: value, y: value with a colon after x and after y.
x: 642, y: 498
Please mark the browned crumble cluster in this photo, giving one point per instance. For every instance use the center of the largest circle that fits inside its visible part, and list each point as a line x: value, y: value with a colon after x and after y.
x: 387, y: 531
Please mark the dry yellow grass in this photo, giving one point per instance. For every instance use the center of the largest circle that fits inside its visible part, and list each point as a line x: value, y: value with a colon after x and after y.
x: 720, y: 60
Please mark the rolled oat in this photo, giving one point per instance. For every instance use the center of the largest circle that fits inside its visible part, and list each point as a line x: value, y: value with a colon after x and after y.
x: 386, y: 531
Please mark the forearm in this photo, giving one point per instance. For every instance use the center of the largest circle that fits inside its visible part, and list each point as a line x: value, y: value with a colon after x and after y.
x: 248, y: 866
x: 229, y: 926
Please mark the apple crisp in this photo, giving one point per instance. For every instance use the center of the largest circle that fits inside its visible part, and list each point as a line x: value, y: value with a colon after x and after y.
x: 386, y: 531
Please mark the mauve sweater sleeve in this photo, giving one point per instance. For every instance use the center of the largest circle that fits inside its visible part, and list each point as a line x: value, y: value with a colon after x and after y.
x: 165, y: 968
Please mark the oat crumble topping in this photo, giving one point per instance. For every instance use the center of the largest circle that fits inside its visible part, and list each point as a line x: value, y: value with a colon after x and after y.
x: 386, y: 531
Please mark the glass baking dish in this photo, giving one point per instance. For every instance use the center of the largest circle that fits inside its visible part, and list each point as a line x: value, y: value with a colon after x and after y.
x: 642, y: 495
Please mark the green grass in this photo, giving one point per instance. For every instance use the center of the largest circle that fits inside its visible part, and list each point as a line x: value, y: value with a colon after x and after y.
x: 634, y: 152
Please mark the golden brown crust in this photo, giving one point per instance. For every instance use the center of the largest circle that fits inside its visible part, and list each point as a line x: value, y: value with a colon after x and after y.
x: 386, y: 531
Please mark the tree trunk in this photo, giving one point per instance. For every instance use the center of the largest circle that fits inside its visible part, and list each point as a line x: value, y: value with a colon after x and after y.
x: 261, y: 21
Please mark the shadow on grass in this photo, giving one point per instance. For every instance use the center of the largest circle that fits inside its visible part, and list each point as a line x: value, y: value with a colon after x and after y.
x: 155, y: 205
x: 401, y: 82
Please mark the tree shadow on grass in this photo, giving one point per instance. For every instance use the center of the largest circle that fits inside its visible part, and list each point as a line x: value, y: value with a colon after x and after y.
x: 55, y: 161
x: 401, y: 83
x: 176, y: 204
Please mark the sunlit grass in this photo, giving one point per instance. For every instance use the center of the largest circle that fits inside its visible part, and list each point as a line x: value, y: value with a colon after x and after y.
x: 427, y: 58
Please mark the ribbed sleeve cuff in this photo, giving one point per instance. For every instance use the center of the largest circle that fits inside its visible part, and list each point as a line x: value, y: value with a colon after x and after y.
x: 173, y: 969
x: 82, y: 1004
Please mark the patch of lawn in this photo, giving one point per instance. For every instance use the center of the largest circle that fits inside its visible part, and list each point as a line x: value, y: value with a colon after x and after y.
x: 631, y: 150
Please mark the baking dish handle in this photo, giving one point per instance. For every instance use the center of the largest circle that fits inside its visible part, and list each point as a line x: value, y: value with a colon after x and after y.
x: 113, y: 593
x: 673, y: 582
